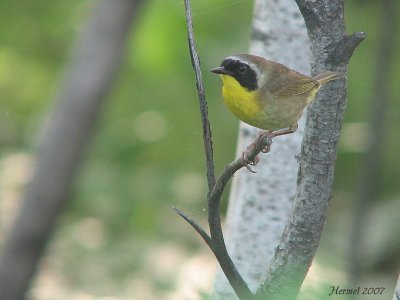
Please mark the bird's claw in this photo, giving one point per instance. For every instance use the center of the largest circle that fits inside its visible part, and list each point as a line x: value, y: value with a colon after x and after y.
x: 247, y: 162
x: 266, y: 149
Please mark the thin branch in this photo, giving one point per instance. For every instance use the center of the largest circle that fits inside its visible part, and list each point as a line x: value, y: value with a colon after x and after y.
x: 217, y: 240
x: 216, y: 243
x: 263, y: 141
x: 202, y: 98
x: 196, y: 227
x: 261, y: 144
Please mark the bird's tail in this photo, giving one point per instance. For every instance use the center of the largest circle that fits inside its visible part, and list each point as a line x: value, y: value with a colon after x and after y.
x: 328, y: 76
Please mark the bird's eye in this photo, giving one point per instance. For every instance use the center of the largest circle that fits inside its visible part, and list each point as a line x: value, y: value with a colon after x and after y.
x: 242, y: 69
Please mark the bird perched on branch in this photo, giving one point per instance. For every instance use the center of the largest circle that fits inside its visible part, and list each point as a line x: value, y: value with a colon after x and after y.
x: 267, y: 94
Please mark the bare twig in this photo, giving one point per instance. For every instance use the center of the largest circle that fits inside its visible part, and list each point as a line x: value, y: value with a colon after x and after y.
x: 262, y: 144
x: 195, y: 226
x: 216, y: 242
x: 202, y: 98
x: 263, y: 141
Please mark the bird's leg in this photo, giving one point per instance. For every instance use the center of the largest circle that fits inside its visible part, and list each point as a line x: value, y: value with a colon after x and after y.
x: 289, y: 130
x: 246, y: 161
x: 273, y: 134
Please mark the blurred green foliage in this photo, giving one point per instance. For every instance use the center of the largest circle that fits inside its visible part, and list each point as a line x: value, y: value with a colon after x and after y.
x: 146, y: 154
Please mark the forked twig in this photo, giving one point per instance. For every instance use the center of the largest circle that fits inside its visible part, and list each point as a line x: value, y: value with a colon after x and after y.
x: 216, y: 241
x: 216, y: 187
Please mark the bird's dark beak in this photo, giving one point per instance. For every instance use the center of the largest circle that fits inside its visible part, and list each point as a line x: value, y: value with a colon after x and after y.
x: 221, y: 70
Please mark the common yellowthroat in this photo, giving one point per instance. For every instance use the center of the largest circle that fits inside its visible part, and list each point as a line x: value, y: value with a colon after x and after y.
x: 267, y: 94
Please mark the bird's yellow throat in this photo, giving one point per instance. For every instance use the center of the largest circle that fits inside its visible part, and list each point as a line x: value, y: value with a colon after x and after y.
x: 239, y: 100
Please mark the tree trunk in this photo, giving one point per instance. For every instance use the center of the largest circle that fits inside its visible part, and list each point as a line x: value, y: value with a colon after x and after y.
x: 259, y: 204
x: 92, y: 71
x: 331, y: 49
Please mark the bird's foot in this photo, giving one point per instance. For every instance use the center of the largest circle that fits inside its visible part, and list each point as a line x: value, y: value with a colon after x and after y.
x: 246, y: 161
x: 262, y: 135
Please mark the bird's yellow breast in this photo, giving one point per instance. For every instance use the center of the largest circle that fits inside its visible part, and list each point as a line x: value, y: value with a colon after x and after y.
x: 242, y: 103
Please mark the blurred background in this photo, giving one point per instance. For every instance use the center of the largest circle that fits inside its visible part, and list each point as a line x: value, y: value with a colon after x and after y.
x: 119, y: 237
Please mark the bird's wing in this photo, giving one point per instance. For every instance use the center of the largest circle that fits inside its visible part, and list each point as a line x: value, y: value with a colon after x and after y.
x: 287, y: 85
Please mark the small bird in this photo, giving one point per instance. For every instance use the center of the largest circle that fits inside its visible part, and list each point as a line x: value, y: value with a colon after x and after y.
x: 267, y: 94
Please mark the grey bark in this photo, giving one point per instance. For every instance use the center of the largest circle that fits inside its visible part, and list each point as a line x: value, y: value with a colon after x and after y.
x: 87, y: 81
x: 259, y: 204
x: 331, y: 49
